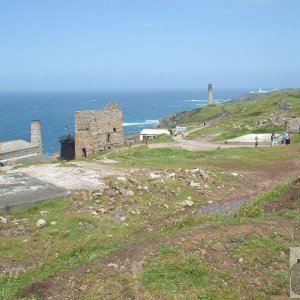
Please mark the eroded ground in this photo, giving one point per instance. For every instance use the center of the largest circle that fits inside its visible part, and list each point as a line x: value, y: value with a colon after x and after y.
x: 135, y: 237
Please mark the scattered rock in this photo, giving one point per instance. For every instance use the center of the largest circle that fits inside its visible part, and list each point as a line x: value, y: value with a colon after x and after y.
x: 53, y: 223
x: 134, y: 181
x: 111, y: 192
x: 40, y: 223
x: 121, y: 178
x: 83, y: 288
x: 113, y: 265
x: 154, y: 175
x: 204, y: 174
x: 241, y: 259
x: 123, y: 219
x: 186, y: 203
x: 43, y: 212
x: 235, y: 174
x: 195, y: 184
x: 94, y: 213
x: 282, y: 254
x: 102, y: 210
x: 3, y: 220
x: 126, y: 192
x: 98, y: 194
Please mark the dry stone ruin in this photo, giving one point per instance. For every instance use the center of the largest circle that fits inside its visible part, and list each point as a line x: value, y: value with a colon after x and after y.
x: 282, y: 117
x: 97, y: 130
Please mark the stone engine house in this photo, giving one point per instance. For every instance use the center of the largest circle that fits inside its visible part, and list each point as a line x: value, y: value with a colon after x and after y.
x: 97, y: 130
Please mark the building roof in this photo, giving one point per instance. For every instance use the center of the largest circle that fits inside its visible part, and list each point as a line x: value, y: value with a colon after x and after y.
x: 11, y: 146
x: 151, y: 131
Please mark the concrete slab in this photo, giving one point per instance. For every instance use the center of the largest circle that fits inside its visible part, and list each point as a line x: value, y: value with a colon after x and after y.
x: 18, y: 189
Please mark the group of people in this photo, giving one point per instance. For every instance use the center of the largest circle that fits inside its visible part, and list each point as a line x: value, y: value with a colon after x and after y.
x: 285, y: 139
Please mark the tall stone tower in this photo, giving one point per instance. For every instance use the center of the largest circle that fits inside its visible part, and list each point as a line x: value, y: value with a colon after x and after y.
x: 210, y: 97
x: 36, y: 135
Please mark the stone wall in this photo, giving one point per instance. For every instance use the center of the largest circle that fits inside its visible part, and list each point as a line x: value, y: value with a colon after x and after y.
x: 18, y: 153
x: 36, y: 135
x: 293, y: 125
x: 97, y: 130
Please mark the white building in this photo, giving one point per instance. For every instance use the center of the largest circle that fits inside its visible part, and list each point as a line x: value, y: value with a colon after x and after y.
x: 180, y: 129
x: 152, y: 133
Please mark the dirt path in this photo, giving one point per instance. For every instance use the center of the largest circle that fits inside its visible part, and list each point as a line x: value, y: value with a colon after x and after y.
x: 206, y: 144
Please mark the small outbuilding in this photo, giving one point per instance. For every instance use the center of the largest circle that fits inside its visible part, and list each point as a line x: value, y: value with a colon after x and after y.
x: 13, y: 151
x: 152, y: 133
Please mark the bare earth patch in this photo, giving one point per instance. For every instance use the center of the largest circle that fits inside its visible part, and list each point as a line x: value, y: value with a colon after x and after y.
x: 76, y: 176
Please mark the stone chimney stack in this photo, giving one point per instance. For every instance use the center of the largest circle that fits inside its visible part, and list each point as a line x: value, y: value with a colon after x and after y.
x: 210, y: 96
x: 36, y: 135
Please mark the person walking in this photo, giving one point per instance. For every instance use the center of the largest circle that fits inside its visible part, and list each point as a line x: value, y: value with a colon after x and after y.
x: 273, y: 139
x: 256, y: 141
x: 287, y: 138
x: 283, y: 139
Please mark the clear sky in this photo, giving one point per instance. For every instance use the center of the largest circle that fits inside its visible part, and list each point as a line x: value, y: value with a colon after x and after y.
x: 103, y: 44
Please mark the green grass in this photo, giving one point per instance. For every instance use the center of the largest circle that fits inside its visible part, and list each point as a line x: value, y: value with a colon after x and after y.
x: 173, y: 274
x: 175, y: 158
x: 164, y: 138
x: 154, y: 158
x: 255, y: 208
x: 205, y: 114
x: 58, y: 247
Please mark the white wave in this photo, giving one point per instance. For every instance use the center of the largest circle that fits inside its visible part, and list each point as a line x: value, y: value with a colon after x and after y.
x: 195, y: 100
x: 146, y: 122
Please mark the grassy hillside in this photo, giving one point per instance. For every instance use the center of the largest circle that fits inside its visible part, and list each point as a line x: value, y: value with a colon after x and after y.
x: 247, y: 112
x: 236, y: 119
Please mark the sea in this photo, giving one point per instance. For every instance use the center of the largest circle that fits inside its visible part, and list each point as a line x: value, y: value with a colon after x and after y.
x: 55, y: 109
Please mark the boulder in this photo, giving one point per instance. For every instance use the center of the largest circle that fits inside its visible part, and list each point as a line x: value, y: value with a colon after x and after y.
x: 121, y: 178
x: 154, y: 175
x: 195, y: 184
x: 41, y: 223
x: 126, y: 192
x: 111, y: 192
x: 204, y: 174
x: 186, y: 203
x: 3, y: 220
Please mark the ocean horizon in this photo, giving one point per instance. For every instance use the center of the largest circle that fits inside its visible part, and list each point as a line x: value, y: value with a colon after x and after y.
x: 55, y: 109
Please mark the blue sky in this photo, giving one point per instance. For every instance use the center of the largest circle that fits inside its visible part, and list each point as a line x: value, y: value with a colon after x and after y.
x: 104, y: 44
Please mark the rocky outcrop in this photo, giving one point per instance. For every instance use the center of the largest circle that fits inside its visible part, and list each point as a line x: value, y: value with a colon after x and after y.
x: 177, y: 119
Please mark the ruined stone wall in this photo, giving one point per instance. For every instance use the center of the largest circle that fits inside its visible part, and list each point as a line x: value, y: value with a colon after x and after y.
x: 19, y: 153
x: 36, y: 135
x: 96, y: 130
x: 293, y: 125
